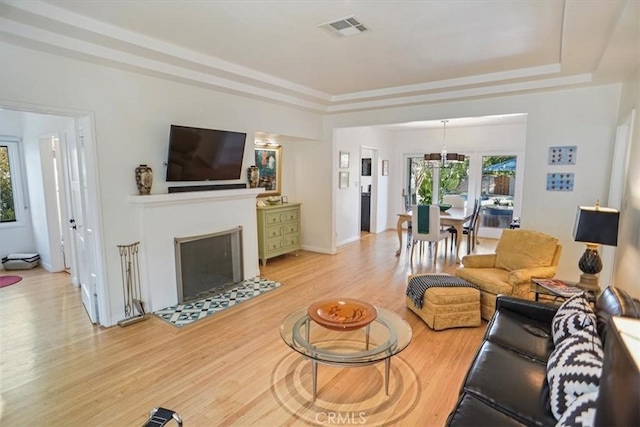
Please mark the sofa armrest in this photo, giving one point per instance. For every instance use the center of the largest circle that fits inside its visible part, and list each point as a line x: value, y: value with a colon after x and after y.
x: 524, y: 275
x: 479, y: 261
x: 531, y: 309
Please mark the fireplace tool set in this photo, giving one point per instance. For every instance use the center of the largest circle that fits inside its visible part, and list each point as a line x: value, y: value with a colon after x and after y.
x: 131, y: 285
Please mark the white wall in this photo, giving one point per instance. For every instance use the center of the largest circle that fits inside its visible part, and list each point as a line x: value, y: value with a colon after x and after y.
x: 585, y: 117
x: 359, y: 142
x: 133, y: 113
x: 16, y: 238
x: 132, y: 116
x: 627, y: 261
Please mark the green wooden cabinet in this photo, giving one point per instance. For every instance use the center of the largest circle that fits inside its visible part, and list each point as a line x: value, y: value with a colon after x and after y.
x: 278, y: 230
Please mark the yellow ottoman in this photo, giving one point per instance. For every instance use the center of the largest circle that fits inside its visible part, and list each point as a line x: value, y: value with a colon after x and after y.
x: 448, y: 307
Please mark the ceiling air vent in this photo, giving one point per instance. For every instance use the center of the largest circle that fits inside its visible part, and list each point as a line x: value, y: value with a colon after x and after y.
x: 345, y: 27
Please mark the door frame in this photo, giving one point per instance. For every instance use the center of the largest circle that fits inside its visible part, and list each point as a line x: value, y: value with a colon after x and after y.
x: 475, y: 167
x: 55, y: 217
x: 94, y: 209
x: 373, y: 201
x: 617, y: 194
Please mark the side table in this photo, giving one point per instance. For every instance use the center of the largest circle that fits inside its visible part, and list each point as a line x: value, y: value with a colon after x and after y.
x: 592, y: 293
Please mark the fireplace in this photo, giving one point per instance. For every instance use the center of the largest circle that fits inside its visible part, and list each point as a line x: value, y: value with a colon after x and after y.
x: 163, y: 217
x: 208, y: 264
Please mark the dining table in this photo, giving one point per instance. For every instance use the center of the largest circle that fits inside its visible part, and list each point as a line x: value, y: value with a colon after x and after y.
x: 454, y: 217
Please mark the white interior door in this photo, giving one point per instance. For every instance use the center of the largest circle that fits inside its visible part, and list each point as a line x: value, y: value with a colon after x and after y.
x: 83, y: 266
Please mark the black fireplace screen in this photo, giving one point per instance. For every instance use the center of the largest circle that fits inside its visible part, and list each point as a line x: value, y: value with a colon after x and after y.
x: 208, y: 264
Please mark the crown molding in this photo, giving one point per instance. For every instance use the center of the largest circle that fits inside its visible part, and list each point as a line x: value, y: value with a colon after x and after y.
x: 154, y: 57
x: 465, y: 93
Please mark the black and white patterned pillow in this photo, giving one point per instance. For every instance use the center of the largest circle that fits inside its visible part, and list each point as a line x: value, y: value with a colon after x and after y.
x: 581, y: 413
x: 573, y: 315
x: 573, y: 369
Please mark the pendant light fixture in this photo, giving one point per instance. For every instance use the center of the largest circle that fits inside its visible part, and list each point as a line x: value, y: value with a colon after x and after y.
x: 443, y: 158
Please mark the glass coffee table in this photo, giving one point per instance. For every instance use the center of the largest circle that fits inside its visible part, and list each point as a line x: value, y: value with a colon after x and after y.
x: 378, y: 341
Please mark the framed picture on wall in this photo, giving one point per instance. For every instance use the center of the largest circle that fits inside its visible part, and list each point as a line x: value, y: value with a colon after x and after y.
x: 269, y: 163
x: 385, y: 167
x: 343, y: 179
x: 565, y: 155
x: 344, y: 160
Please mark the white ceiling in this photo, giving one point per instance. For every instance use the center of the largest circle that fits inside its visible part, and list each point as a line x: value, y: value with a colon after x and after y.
x: 415, y: 51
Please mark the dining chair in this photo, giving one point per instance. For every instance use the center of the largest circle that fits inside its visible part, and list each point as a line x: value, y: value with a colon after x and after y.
x: 426, y: 227
x: 471, y: 228
x: 406, y: 199
x: 468, y: 228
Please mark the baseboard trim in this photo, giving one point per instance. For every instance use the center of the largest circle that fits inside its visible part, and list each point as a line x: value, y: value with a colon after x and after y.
x: 347, y: 241
x: 318, y: 249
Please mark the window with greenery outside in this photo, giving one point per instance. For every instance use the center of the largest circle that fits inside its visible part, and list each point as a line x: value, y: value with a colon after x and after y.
x: 7, y: 208
x: 453, y: 180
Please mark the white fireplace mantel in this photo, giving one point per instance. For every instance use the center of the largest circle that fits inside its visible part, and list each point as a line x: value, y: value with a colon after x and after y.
x: 196, y: 196
x: 165, y: 217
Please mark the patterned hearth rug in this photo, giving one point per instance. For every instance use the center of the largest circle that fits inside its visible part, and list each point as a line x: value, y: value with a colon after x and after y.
x: 184, y: 314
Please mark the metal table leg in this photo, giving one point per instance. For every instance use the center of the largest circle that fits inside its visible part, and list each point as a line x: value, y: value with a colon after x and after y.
x: 314, y: 376
x: 387, y: 367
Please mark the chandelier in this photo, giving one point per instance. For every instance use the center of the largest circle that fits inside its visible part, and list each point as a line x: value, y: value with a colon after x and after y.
x: 443, y: 159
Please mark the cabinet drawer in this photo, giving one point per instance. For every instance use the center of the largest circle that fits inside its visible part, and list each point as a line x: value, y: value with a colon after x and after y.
x: 276, y: 231
x: 274, y: 244
x: 291, y: 239
x: 290, y: 228
x: 273, y: 218
x: 289, y: 216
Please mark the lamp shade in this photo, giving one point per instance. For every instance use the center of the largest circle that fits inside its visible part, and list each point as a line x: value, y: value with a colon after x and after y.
x: 596, y: 225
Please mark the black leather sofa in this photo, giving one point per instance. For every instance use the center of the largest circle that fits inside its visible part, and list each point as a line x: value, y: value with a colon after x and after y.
x: 506, y: 384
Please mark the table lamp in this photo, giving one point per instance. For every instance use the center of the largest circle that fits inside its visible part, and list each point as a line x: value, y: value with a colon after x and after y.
x: 595, y: 226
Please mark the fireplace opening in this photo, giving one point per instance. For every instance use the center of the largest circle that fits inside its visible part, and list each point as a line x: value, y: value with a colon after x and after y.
x: 208, y: 264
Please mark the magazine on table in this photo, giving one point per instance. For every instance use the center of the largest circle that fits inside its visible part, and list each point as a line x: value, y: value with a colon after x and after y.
x: 558, y: 287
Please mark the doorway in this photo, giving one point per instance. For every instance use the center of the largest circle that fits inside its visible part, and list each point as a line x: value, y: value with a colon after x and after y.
x: 46, y: 137
x: 368, y: 190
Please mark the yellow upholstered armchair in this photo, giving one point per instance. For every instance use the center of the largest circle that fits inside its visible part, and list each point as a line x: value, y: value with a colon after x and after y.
x: 520, y: 255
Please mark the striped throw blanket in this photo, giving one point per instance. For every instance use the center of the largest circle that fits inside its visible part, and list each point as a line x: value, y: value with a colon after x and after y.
x: 419, y: 284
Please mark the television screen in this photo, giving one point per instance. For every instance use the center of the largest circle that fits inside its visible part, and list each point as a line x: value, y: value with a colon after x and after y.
x: 204, y: 154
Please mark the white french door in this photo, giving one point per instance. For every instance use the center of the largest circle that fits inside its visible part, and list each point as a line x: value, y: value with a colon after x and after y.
x: 83, y: 259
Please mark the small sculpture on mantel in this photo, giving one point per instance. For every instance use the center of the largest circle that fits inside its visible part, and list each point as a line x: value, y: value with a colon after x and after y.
x: 253, y: 174
x: 144, y: 179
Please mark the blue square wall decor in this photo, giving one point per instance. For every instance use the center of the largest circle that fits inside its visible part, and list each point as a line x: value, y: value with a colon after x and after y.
x: 560, y: 181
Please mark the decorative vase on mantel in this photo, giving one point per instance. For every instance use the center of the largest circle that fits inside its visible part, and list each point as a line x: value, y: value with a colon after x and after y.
x: 144, y: 179
x: 253, y: 174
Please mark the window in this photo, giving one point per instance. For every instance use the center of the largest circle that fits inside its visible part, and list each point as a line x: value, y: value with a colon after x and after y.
x: 495, y: 178
x: 454, y: 179
x: 498, y: 190
x: 9, y: 182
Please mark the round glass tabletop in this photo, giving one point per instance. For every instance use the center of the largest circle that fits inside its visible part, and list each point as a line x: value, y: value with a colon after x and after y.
x: 384, y: 337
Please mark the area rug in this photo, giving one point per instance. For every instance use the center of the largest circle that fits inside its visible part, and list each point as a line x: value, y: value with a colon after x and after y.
x: 9, y: 280
x: 356, y: 396
x: 184, y: 314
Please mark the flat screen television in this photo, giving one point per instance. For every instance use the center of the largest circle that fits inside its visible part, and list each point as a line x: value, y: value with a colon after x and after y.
x: 197, y: 154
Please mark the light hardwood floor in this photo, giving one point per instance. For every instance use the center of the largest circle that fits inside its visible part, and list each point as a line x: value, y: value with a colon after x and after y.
x: 232, y: 368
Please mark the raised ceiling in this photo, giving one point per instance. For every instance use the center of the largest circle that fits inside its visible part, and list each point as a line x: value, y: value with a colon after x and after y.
x: 413, y: 52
